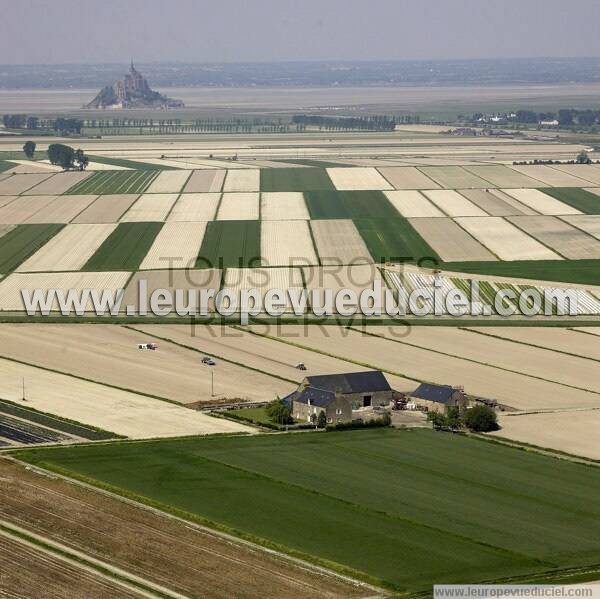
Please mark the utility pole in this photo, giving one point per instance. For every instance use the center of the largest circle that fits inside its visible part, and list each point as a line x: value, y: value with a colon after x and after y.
x: 212, y: 383
x: 24, y: 389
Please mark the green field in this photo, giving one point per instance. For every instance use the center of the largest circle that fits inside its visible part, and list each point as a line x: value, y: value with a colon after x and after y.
x: 584, y: 201
x: 405, y: 508
x: 230, y: 244
x: 394, y: 240
x: 349, y: 204
x: 140, y: 166
x: 565, y: 271
x: 124, y: 248
x: 23, y: 241
x: 294, y: 179
x: 4, y: 166
x: 114, y: 182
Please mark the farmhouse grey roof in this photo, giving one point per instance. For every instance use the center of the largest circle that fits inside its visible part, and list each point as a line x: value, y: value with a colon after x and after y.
x: 370, y: 381
x: 317, y: 397
x: 437, y: 393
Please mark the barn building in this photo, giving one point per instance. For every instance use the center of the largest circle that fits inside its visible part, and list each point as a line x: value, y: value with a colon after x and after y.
x: 338, y: 394
x: 438, y: 398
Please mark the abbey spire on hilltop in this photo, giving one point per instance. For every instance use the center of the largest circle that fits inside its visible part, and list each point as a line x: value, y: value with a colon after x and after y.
x: 132, y: 91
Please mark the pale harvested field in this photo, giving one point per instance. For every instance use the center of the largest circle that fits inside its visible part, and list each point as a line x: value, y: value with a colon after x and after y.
x: 495, y: 202
x: 262, y: 353
x: 357, y: 178
x: 195, y: 207
x: 10, y: 287
x: 560, y: 236
x: 453, y: 204
x: 518, y: 206
x: 590, y: 223
x: 502, y: 176
x: 451, y: 242
x: 177, y: 245
x: 413, y: 204
x: 150, y: 207
x: 283, y: 205
x: 69, y: 249
x: 564, y: 340
x: 120, y: 412
x: 543, y: 363
x: 58, y: 183
x: 170, y: 280
x: 454, y: 177
x: 239, y: 206
x: 28, y: 166
x: 511, y: 389
x: 22, y: 208
x: 208, y: 181
x: 505, y: 240
x: 339, y: 242
x: 586, y: 172
x: 242, y: 180
x: 169, y: 182
x: 573, y: 432
x: 63, y: 209
x: 182, y: 164
x: 594, y: 190
x: 18, y: 184
x: 543, y: 203
x: 588, y: 330
x: 407, y: 177
x: 109, y: 354
x: 106, y: 209
x: 548, y: 175
x: 263, y: 279
x: 286, y: 243
x: 4, y: 200
x: 101, y: 166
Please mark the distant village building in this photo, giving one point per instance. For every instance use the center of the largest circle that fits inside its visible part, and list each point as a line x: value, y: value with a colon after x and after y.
x: 437, y: 398
x: 338, y: 394
x: 132, y: 91
x: 549, y: 124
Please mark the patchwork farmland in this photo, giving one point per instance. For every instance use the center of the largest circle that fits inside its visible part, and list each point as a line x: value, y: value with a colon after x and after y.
x: 524, y: 233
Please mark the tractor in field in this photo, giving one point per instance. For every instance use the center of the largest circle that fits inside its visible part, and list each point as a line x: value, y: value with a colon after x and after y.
x: 151, y: 346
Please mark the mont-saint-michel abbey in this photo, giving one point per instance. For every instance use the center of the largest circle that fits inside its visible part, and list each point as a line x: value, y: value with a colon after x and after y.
x: 132, y: 91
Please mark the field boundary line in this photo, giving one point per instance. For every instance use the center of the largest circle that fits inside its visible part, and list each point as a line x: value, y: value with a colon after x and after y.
x: 539, y: 240
x: 208, y: 527
x: 592, y: 184
x: 200, y: 351
x: 559, y: 351
x: 435, y: 351
x: 83, y: 561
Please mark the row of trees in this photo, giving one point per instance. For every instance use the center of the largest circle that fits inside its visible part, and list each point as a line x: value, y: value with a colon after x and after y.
x: 567, y: 117
x: 480, y: 419
x: 362, y: 123
x: 60, y: 125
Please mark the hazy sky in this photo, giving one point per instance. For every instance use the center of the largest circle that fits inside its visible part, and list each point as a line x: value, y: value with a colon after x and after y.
x: 59, y: 31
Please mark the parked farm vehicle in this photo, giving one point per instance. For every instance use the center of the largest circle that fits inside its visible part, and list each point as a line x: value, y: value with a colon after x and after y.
x: 301, y: 366
x: 208, y: 361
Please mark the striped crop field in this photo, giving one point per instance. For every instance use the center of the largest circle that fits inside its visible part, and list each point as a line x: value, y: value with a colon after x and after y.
x: 294, y: 179
x: 124, y: 248
x: 230, y: 243
x: 393, y: 239
x: 115, y: 182
x: 580, y: 199
x: 349, y: 204
x: 23, y: 241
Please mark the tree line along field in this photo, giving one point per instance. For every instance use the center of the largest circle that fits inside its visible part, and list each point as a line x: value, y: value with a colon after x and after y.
x: 402, y: 508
